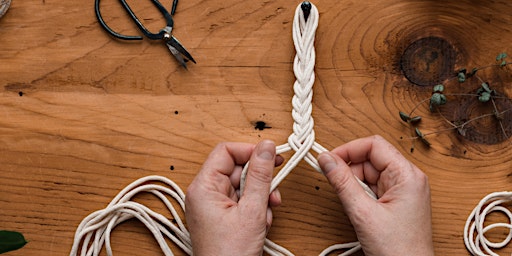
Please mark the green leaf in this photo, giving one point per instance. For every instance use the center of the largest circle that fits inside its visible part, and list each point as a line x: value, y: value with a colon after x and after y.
x: 485, y: 97
x: 435, y: 99
x: 418, y: 132
x: 438, y: 88
x: 443, y: 99
x: 422, y: 137
x: 473, y: 72
x: 415, y: 120
x: 503, y: 63
x: 404, y: 116
x: 11, y: 240
x: 461, y: 77
x: 485, y: 86
x: 501, y: 56
x: 438, y: 99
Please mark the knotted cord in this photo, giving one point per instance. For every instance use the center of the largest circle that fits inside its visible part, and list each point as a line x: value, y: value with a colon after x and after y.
x: 474, y: 230
x: 94, y: 231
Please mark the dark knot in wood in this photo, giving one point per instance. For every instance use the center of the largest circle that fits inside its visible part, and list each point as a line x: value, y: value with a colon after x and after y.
x: 428, y: 61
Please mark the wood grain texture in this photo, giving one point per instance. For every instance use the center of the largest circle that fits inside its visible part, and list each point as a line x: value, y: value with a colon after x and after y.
x: 82, y: 115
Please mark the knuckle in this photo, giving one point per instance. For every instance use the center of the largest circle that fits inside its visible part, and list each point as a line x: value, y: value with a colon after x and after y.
x: 423, y: 179
x: 377, y: 137
x: 196, y: 189
x: 220, y: 146
x: 261, y: 172
x: 340, y: 183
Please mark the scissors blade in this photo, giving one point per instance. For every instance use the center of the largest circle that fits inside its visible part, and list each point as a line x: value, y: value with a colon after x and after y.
x: 177, y: 55
x: 173, y: 42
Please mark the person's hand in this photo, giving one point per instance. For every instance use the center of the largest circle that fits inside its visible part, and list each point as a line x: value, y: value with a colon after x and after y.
x: 220, y: 222
x: 399, y: 221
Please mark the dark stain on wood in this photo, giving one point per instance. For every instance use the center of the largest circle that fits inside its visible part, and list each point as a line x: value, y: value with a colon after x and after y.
x: 428, y: 61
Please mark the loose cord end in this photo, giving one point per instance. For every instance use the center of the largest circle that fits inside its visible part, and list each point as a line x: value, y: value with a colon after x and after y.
x: 306, y: 9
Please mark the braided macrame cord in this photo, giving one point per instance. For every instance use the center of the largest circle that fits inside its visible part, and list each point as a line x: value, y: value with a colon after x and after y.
x: 302, y: 140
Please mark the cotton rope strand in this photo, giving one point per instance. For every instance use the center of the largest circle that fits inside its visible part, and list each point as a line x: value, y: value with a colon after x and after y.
x: 474, y: 230
x: 94, y: 231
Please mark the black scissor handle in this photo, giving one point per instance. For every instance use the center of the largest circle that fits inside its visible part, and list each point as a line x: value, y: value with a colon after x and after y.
x: 145, y: 31
x: 107, y: 28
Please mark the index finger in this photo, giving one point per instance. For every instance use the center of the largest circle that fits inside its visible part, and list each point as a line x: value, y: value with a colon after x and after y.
x: 225, y: 156
x: 375, y: 149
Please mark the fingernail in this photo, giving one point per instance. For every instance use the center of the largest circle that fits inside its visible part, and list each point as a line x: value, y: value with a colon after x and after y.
x: 327, y: 162
x: 277, y: 194
x: 266, y: 150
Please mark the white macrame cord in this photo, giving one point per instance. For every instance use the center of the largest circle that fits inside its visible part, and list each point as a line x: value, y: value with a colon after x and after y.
x: 94, y: 231
x: 474, y: 230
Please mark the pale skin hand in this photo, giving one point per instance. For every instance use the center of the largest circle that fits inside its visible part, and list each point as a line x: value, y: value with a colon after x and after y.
x: 220, y: 222
x: 399, y: 222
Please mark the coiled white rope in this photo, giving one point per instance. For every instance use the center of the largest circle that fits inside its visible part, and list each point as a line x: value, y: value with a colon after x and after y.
x: 94, y: 231
x: 474, y: 230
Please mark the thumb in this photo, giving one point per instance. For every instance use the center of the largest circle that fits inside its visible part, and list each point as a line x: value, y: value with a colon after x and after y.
x: 259, y: 175
x: 346, y: 185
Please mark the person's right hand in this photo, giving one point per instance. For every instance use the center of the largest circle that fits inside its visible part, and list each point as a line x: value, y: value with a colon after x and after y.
x: 399, y: 221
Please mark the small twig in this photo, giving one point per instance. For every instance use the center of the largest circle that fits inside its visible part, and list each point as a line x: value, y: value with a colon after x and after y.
x: 499, y: 118
x: 418, y: 105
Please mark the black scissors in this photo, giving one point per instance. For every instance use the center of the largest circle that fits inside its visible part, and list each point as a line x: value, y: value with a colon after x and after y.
x: 165, y: 34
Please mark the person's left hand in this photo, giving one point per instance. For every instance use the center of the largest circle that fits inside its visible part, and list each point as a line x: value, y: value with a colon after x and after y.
x: 220, y: 222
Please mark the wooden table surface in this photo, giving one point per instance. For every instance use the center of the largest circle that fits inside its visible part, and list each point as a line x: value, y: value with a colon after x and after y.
x: 82, y: 114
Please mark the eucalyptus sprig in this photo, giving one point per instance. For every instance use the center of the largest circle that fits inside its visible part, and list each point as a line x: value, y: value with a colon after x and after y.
x: 501, y: 59
x: 485, y: 93
x: 439, y: 98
